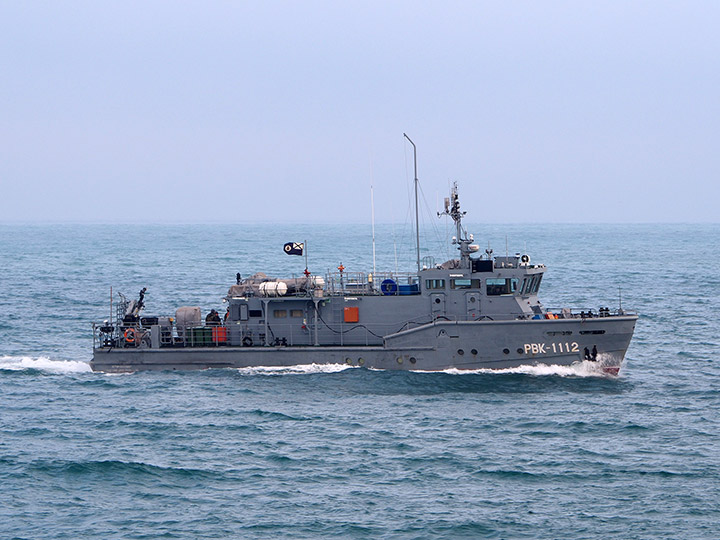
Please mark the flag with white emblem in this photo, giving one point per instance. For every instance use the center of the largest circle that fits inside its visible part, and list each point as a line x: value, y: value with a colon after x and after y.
x: 294, y: 248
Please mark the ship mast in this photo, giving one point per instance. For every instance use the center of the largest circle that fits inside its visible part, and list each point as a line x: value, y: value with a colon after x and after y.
x: 452, y: 209
x: 417, y: 221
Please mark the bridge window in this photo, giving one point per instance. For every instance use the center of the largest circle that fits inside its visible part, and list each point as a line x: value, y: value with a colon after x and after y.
x: 536, y: 283
x: 280, y: 313
x: 297, y: 313
x: 500, y: 286
x: 525, y: 285
x: 256, y: 312
x: 531, y: 284
x: 435, y: 284
x: 464, y: 283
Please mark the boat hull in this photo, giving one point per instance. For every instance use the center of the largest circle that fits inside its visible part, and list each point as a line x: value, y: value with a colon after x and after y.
x: 439, y: 346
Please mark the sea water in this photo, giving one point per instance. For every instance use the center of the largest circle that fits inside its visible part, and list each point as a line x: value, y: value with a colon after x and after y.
x: 337, y: 452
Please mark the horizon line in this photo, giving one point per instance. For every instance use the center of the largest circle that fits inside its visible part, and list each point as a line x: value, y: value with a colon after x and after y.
x: 320, y: 223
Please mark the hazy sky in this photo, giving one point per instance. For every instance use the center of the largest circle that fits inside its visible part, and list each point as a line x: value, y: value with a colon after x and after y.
x: 287, y: 111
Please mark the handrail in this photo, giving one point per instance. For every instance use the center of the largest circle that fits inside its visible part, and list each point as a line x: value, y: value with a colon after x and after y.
x: 362, y: 283
x: 587, y: 313
x: 137, y: 336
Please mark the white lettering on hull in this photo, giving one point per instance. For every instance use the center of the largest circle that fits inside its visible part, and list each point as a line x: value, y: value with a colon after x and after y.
x: 545, y: 348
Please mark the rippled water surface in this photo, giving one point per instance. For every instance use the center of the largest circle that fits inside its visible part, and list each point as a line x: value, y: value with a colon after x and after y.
x: 329, y: 452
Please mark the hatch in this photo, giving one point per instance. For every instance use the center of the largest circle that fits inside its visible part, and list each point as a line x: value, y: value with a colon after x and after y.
x: 472, y: 303
x: 437, y: 304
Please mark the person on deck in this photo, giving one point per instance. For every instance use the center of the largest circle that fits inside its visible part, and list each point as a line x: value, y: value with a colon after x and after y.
x: 213, y: 318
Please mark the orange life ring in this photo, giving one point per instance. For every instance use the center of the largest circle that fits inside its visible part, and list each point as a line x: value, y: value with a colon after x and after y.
x: 130, y: 335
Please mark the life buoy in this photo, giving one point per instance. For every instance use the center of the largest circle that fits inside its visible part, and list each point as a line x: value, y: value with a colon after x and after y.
x: 130, y: 335
x: 247, y: 341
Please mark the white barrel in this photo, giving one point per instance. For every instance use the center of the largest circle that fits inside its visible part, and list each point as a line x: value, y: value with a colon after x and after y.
x: 273, y: 288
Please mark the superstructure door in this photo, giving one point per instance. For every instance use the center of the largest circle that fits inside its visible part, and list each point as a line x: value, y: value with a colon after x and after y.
x: 472, y: 302
x: 437, y: 304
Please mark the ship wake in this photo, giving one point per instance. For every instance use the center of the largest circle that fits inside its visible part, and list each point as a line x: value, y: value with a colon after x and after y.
x: 300, y: 369
x: 42, y: 363
x: 579, y: 369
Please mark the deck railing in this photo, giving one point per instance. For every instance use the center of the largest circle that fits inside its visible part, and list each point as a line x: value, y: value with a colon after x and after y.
x: 380, y: 283
x: 585, y: 313
x: 135, y: 335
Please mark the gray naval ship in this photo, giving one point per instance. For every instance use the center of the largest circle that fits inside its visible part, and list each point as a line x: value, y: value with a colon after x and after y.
x: 469, y: 313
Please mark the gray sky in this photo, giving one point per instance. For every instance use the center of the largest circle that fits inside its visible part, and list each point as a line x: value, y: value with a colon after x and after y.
x: 285, y: 111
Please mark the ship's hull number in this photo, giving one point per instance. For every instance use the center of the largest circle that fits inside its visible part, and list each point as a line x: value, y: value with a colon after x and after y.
x: 544, y: 348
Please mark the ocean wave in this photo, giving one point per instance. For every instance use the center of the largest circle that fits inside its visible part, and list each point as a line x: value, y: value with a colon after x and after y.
x: 43, y: 363
x: 106, y: 468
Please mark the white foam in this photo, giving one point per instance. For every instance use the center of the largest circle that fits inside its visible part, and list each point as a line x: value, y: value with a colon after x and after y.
x: 579, y: 369
x: 43, y: 363
x: 300, y: 369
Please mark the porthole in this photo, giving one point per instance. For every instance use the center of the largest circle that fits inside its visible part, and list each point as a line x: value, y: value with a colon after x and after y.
x: 506, y: 351
x: 472, y: 299
x: 348, y: 360
x: 413, y: 360
x: 361, y: 361
x: 399, y: 360
x: 474, y: 351
x: 519, y: 351
x: 461, y: 352
x: 437, y: 300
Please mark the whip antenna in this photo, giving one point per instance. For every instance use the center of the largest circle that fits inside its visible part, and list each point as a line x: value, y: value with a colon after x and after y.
x: 417, y: 221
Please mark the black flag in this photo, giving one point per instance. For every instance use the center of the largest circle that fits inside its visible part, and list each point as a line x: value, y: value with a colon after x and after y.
x: 294, y: 248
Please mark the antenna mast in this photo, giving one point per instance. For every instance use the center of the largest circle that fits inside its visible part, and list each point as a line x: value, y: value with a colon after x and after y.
x: 452, y: 209
x: 372, y: 211
x: 417, y: 220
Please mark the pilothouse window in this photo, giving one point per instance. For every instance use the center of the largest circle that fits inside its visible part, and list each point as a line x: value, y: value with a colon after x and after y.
x: 435, y: 284
x: 531, y: 284
x: 464, y: 283
x: 536, y: 283
x: 499, y: 286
